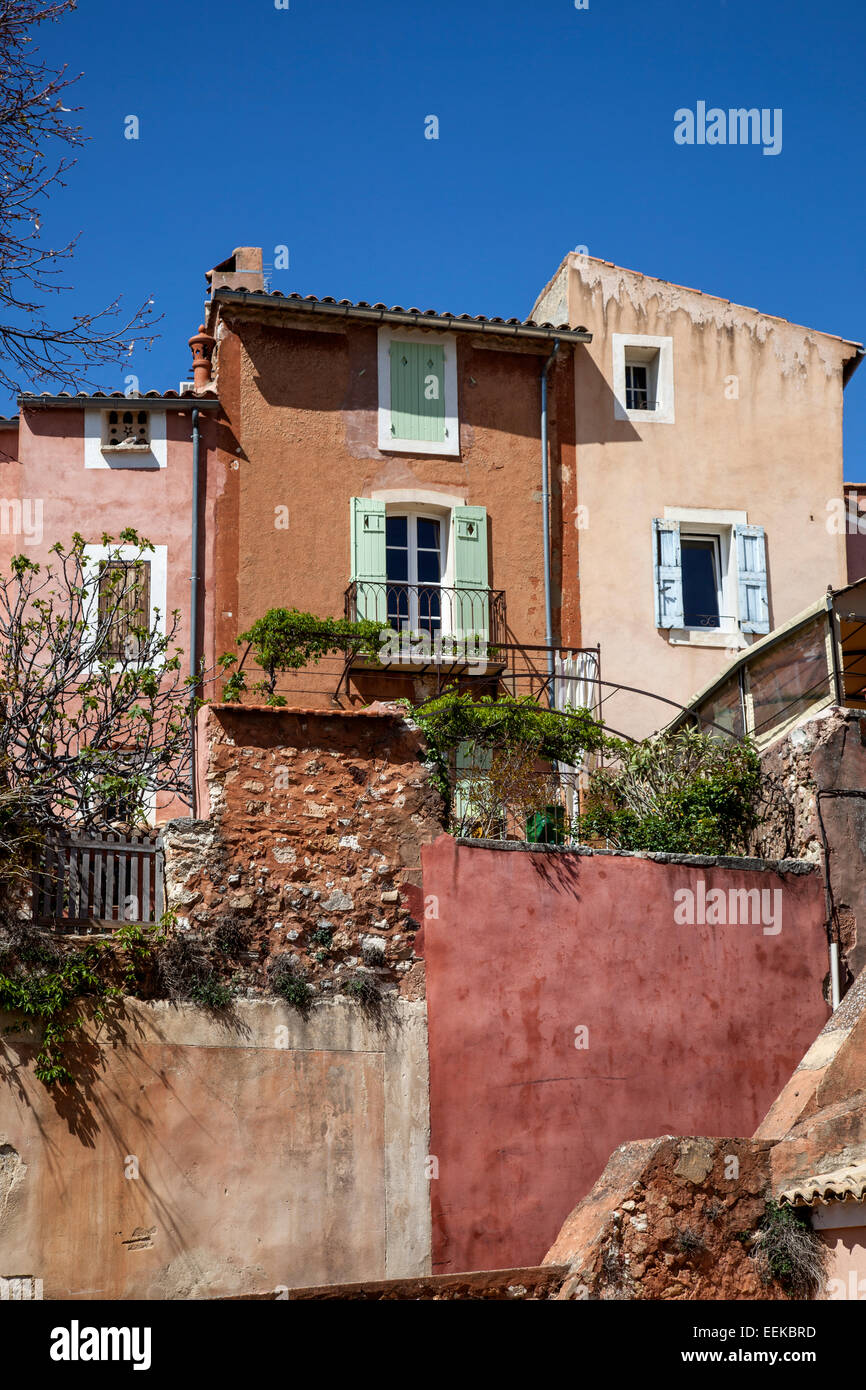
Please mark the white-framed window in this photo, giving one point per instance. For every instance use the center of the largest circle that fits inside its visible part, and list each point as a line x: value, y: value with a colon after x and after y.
x: 127, y: 435
x: 643, y: 378
x: 418, y: 409
x: 141, y: 580
x: 416, y: 549
x: 710, y: 577
x: 420, y: 565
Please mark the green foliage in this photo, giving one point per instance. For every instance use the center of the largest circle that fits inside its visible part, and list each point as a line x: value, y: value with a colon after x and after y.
x: 505, y: 723
x: 286, y: 639
x: 684, y: 793
x: 43, y: 982
x: 366, y: 991
x: 209, y: 991
x: 288, y: 980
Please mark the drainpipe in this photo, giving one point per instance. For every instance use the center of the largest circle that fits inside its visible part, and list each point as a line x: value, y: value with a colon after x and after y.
x: 193, y: 616
x: 545, y: 509
x: 835, y: 994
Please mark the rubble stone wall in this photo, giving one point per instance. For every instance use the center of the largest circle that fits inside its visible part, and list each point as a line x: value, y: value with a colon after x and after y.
x: 312, y: 847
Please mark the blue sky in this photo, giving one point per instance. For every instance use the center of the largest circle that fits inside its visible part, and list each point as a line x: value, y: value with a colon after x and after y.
x: 304, y: 127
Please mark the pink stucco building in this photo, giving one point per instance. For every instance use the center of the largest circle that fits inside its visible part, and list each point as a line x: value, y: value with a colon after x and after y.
x: 96, y: 464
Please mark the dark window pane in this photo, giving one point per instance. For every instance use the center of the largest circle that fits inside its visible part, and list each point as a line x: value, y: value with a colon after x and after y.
x: 396, y: 563
x: 428, y: 567
x: 428, y: 534
x: 700, y: 596
x: 637, y: 392
x: 396, y: 530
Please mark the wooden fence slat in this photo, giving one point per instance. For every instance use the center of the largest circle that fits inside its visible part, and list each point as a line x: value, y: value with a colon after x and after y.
x: 144, y: 913
x: 133, y: 891
x: 103, y: 878
x: 159, y: 866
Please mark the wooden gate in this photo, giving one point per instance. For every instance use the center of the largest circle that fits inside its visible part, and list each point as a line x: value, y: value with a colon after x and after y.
x: 99, y: 881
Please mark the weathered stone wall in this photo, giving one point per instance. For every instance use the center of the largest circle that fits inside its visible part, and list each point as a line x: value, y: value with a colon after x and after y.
x: 312, y: 846
x: 672, y: 1219
x: 202, y: 1155
x: 816, y: 796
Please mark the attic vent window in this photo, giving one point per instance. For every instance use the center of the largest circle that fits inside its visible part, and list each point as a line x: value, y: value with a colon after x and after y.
x: 126, y: 429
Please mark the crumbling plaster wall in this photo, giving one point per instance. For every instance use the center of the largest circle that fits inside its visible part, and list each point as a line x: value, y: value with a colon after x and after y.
x: 203, y: 1155
x: 670, y: 1219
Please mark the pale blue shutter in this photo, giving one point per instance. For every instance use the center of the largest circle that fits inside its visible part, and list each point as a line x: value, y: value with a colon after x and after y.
x: 368, y: 558
x: 668, y: 572
x: 471, y: 613
x: 752, y: 579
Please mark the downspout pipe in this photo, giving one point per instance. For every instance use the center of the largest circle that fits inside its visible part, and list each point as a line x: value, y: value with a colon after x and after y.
x: 193, y: 599
x: 545, y: 513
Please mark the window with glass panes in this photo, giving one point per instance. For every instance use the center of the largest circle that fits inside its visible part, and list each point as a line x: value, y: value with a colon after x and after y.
x: 413, y: 567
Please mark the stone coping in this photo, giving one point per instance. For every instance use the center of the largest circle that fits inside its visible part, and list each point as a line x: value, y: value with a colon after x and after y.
x: 722, y: 861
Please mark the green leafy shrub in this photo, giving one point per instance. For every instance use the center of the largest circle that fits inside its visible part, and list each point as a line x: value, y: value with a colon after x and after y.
x: 287, y: 979
x: 286, y: 639
x: 502, y: 725
x: 685, y: 793
x: 44, y: 981
x: 186, y: 975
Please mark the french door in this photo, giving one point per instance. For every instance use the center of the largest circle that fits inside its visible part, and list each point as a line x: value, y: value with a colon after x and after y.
x: 413, y: 567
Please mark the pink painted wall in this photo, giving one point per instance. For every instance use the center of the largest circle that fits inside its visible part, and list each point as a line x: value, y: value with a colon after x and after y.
x: 691, y: 1029
x: 49, y: 473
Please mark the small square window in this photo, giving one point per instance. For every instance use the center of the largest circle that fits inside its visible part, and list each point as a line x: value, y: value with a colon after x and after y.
x: 643, y: 379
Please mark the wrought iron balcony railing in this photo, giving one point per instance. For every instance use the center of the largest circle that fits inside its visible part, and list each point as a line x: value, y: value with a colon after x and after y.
x: 438, y: 623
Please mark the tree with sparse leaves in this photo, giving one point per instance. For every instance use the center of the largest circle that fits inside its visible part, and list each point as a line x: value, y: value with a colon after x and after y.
x: 95, y: 713
x: 36, y: 136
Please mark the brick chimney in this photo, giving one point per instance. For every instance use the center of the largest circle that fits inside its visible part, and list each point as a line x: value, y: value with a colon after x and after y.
x: 242, y: 271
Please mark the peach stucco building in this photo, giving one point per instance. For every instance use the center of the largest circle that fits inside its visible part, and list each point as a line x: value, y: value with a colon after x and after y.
x: 707, y: 473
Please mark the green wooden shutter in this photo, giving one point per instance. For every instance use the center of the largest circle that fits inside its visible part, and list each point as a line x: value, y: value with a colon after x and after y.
x: 471, y: 764
x: 368, y: 558
x: 472, y: 600
x: 418, y: 391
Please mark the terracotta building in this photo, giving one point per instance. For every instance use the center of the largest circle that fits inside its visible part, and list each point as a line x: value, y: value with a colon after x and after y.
x: 387, y: 464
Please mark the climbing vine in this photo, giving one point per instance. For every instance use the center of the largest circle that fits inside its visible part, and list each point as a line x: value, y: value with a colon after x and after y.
x: 491, y: 725
x: 44, y: 982
x: 286, y: 639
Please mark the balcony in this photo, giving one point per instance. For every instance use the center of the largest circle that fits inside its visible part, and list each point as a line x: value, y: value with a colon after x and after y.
x: 431, y: 625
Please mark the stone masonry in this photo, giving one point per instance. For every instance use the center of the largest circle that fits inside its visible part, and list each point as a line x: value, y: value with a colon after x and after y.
x: 312, y: 846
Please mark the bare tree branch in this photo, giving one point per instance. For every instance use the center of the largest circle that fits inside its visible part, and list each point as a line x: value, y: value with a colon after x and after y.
x: 34, y: 120
x: 85, y: 728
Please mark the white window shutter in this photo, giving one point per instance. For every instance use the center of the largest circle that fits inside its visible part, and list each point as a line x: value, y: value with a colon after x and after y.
x: 752, y: 579
x: 668, y: 571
